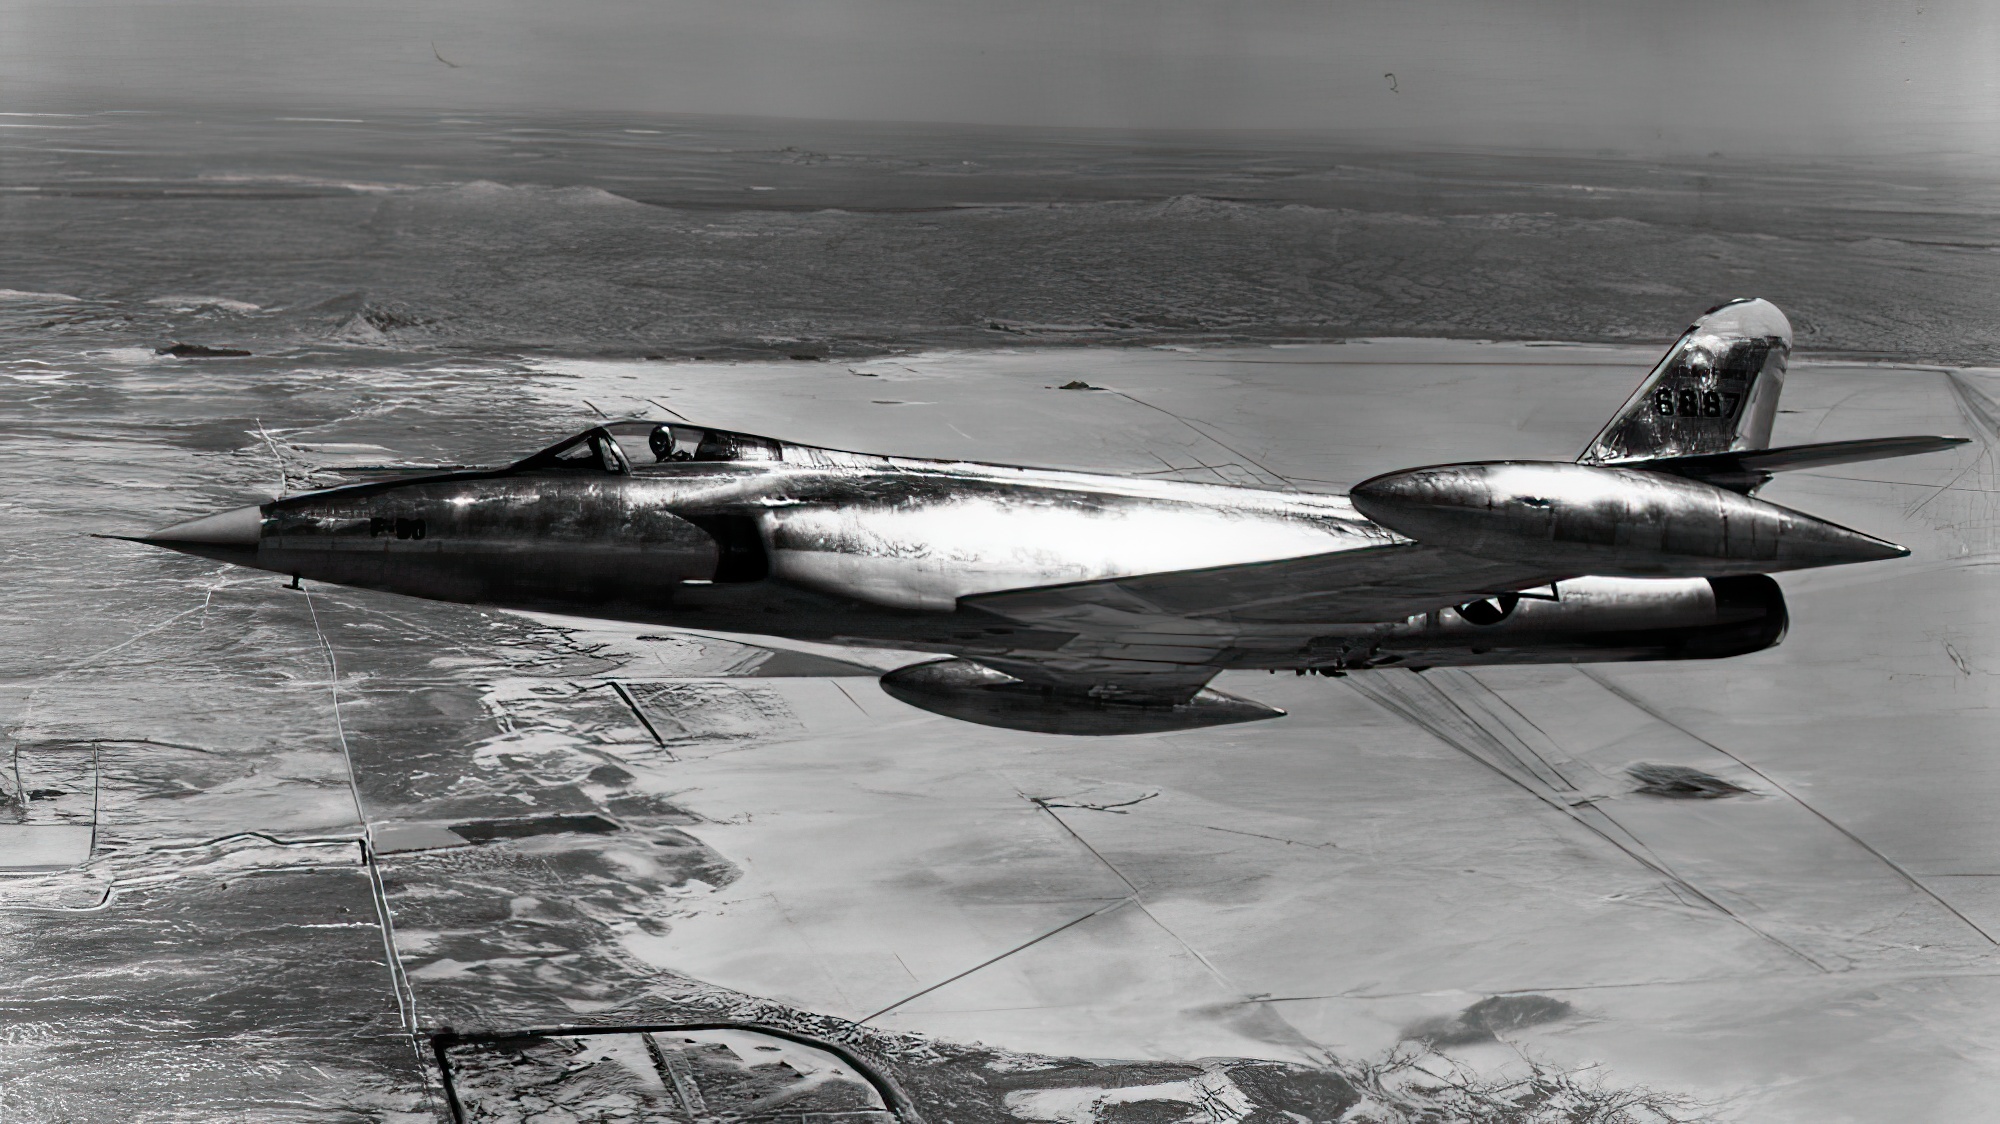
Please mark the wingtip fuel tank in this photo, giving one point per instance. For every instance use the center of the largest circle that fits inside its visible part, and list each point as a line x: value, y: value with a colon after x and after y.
x: 1592, y: 519
x: 973, y: 692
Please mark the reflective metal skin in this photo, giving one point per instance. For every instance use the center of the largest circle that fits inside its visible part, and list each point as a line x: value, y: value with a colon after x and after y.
x: 1612, y: 521
x: 1715, y: 391
x: 1088, y: 604
x: 1597, y: 620
x: 976, y: 693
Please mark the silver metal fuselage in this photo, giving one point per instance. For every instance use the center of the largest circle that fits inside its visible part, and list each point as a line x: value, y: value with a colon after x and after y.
x: 1081, y: 603
x: 825, y: 545
x: 821, y: 545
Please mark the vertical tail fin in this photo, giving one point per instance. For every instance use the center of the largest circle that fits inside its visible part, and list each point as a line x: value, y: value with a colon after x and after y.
x: 1716, y: 391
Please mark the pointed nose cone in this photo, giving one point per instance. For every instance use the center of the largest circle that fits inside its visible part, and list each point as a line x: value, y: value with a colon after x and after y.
x: 231, y: 536
x: 1835, y: 545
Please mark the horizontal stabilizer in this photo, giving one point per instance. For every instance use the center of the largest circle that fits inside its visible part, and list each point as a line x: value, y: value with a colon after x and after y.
x: 1748, y: 469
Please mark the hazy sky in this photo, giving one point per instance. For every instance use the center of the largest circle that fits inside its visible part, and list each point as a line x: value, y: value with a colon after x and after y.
x: 1796, y: 75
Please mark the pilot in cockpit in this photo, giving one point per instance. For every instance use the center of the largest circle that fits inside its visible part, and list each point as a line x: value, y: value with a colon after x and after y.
x: 693, y: 443
x: 662, y: 442
x: 621, y: 446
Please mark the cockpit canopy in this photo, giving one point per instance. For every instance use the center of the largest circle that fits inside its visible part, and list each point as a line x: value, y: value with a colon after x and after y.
x: 620, y: 447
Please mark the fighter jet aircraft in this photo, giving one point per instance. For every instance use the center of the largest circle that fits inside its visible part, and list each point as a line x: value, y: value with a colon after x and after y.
x: 1077, y: 603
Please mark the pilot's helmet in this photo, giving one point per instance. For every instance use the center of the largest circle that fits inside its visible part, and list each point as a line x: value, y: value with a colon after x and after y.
x: 662, y: 442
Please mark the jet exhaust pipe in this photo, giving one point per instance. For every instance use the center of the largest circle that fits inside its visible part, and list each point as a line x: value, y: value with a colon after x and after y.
x: 1618, y: 522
